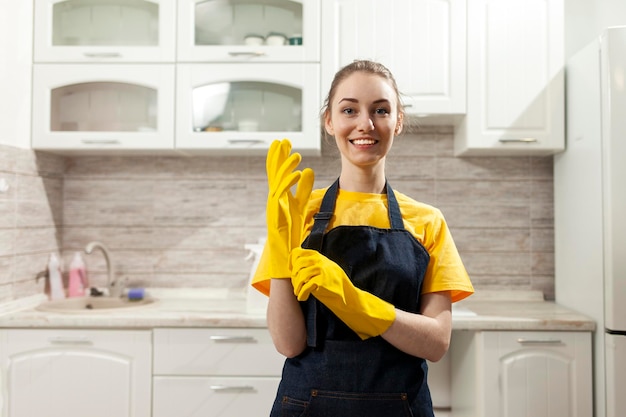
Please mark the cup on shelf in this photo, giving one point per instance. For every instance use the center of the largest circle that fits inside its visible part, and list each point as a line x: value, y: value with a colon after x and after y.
x: 253, y: 39
x: 295, y: 39
x: 275, y: 39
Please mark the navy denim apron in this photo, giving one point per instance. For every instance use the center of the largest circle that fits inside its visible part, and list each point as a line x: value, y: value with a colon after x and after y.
x: 338, y: 374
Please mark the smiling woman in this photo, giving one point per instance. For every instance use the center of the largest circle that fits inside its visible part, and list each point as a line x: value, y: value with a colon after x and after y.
x: 356, y: 273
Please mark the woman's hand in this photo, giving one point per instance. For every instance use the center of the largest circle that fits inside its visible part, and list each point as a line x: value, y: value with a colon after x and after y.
x: 284, y: 211
x: 315, y: 274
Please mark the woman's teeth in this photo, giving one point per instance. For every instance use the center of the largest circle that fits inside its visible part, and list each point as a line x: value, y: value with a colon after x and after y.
x: 363, y: 141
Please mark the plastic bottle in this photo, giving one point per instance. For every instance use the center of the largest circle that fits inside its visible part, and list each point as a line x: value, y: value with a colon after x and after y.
x: 54, y: 277
x: 255, y: 301
x: 77, y: 277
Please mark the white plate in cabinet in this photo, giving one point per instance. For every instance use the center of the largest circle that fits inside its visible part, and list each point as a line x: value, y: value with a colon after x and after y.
x: 237, y: 108
x: 213, y: 396
x: 104, y: 30
x: 216, y: 30
x: 109, y: 107
x: 213, y: 352
x: 515, y: 79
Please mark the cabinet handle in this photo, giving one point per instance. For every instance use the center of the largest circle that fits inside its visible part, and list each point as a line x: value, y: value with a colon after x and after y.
x: 518, y: 140
x: 61, y: 340
x: 233, y: 339
x: 523, y: 341
x: 223, y: 388
x: 246, y: 53
x: 246, y: 141
x: 102, y: 54
x: 100, y: 141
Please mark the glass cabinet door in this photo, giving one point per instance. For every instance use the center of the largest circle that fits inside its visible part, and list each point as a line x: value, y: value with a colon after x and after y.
x: 234, y: 106
x: 104, y: 30
x: 244, y: 30
x: 103, y: 107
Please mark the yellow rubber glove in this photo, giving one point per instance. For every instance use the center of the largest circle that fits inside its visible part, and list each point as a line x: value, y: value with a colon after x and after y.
x: 314, y: 274
x: 284, y: 211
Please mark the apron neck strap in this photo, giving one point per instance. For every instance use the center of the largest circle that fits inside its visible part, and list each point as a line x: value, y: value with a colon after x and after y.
x: 322, y: 218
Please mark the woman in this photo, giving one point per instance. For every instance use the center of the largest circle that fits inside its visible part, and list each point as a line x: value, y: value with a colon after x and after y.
x: 366, y: 300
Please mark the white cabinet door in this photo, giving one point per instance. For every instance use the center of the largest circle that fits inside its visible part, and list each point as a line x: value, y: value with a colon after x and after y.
x: 85, y: 107
x: 236, y: 108
x: 214, y: 372
x: 75, y: 373
x: 515, y: 78
x: 216, y: 30
x: 104, y: 30
x: 519, y: 374
x: 422, y: 42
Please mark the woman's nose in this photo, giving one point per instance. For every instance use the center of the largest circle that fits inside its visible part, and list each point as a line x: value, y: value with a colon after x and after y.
x: 365, y: 123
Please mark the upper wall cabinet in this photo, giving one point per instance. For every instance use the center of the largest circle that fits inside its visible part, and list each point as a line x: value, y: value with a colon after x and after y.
x: 82, y: 107
x: 104, y: 30
x: 236, y: 107
x: 515, y: 81
x: 422, y: 42
x: 249, y: 30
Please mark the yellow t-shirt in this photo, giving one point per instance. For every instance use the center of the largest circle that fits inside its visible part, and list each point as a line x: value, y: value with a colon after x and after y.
x: 445, y: 270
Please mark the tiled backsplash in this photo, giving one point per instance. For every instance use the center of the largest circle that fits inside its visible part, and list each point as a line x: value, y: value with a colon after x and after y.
x: 174, y: 221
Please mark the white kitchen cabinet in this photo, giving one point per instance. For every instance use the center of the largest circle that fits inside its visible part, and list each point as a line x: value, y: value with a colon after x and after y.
x: 216, y: 30
x: 515, y: 373
x: 104, y: 30
x: 214, y: 372
x: 244, y: 107
x: 108, y: 107
x: 75, y: 373
x: 515, y: 79
x: 422, y: 42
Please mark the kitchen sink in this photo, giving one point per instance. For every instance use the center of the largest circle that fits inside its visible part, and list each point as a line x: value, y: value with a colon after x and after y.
x: 84, y: 305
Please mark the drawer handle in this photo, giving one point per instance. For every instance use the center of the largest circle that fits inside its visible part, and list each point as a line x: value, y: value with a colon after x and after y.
x: 60, y: 340
x: 523, y: 341
x: 519, y: 140
x: 103, y: 54
x: 226, y: 388
x: 248, y: 53
x: 233, y: 339
x: 100, y: 141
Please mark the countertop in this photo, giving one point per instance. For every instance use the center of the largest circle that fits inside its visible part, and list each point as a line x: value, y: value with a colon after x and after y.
x: 484, y: 310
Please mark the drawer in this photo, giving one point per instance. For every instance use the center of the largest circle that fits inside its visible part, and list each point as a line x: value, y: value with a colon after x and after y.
x: 210, y: 352
x: 213, y: 396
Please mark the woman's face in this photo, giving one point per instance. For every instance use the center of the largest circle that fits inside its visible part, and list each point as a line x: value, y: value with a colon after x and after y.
x: 364, y: 118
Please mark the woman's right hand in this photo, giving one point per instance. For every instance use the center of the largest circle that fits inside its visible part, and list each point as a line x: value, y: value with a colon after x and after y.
x: 284, y: 211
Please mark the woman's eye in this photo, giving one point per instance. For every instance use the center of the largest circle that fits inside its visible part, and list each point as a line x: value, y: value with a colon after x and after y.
x: 348, y: 111
x: 382, y: 111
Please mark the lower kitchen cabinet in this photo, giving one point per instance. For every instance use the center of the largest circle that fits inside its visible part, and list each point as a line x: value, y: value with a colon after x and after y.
x: 214, y: 372
x: 520, y: 374
x: 75, y: 373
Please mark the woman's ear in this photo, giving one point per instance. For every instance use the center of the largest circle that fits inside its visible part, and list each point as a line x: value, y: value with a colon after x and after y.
x: 399, y: 124
x: 328, y: 124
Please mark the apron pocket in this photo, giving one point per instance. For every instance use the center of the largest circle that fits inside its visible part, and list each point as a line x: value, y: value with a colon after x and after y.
x: 337, y: 403
x: 290, y: 407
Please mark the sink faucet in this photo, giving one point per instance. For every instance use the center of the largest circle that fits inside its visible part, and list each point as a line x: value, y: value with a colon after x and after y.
x: 114, y: 289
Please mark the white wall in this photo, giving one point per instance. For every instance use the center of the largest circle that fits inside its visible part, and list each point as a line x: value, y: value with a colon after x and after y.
x: 15, y: 71
x: 586, y: 19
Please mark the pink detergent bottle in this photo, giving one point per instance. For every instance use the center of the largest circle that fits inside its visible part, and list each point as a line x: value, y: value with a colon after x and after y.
x: 78, y: 277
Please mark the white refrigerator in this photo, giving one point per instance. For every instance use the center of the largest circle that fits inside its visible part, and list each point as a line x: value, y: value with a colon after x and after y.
x: 590, y: 209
